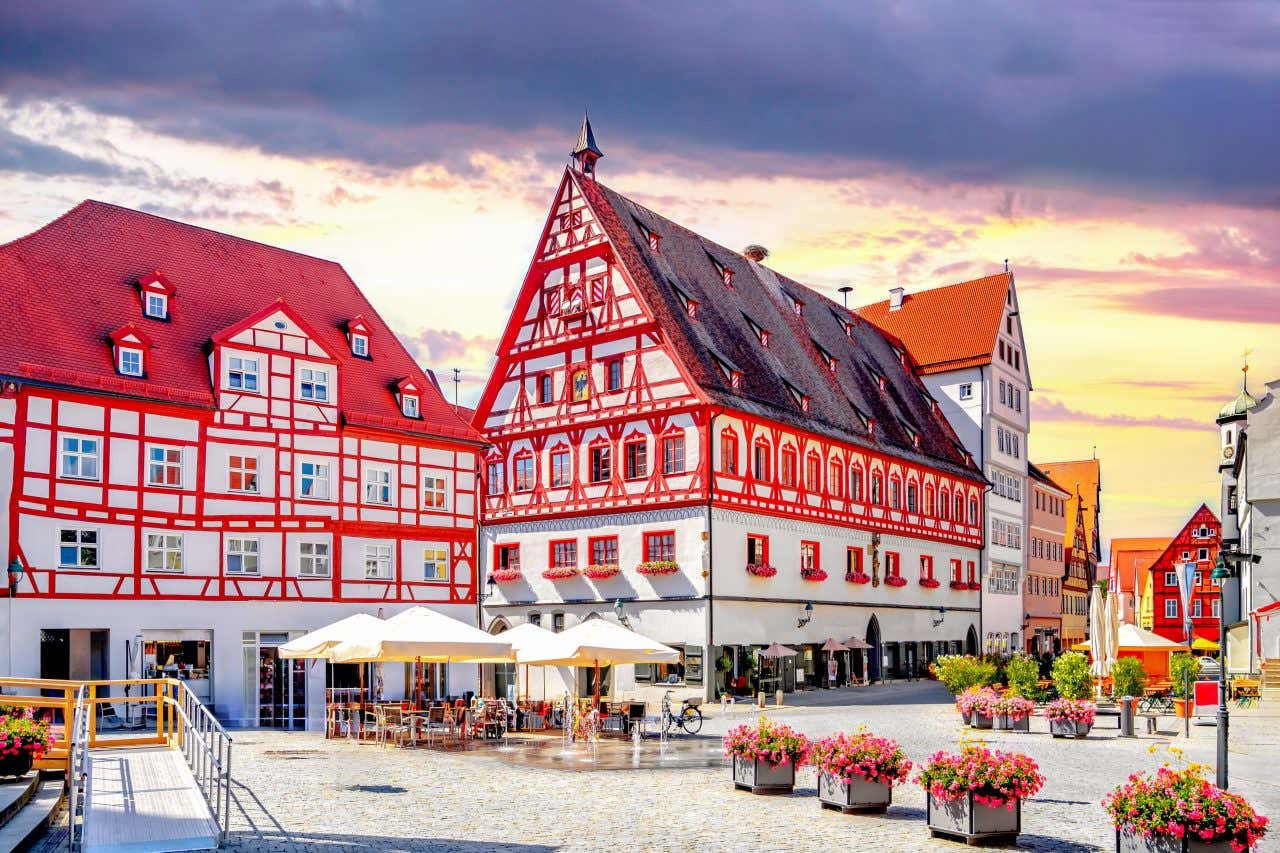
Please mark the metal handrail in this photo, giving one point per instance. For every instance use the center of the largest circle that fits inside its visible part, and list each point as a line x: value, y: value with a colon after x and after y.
x: 78, y: 770
x: 206, y: 746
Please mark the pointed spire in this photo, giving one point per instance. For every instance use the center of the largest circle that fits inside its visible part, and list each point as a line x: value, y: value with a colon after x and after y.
x: 585, y: 151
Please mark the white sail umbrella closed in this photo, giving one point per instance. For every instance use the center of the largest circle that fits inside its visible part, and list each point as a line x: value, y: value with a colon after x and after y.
x: 1112, y: 627
x: 1098, y: 650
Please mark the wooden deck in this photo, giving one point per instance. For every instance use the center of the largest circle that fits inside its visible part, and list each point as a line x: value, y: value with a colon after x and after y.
x: 145, y: 800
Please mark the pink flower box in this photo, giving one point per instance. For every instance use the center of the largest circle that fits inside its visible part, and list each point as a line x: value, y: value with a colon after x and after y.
x: 814, y: 574
x: 601, y: 572
x: 895, y: 580
x: 506, y: 575
x: 930, y: 583
x: 561, y: 573
x: 858, y: 577
x: 763, y: 570
x: 658, y: 567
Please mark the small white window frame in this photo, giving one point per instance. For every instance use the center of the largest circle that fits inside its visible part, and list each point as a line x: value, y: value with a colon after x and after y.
x: 439, y: 557
x: 379, y: 561
x: 379, y: 485
x: 313, y: 384
x: 163, y: 466
x: 131, y: 361
x: 79, y: 545
x: 314, y: 559
x: 169, y: 547
x: 83, y: 460
x: 249, y: 550
x: 318, y: 478
x: 157, y: 310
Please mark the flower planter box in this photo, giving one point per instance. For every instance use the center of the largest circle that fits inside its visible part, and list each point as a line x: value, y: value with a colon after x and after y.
x: 761, y: 777
x: 16, y: 765
x: 1006, y: 723
x: 1069, y: 728
x: 979, y: 721
x: 967, y: 716
x: 1135, y: 842
x: 963, y: 818
x: 860, y: 795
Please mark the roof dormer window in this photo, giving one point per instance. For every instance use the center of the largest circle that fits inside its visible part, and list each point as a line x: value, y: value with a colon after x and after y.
x: 129, y: 351
x: 155, y: 292
x: 410, y: 406
x: 358, y: 336
x: 726, y: 274
x: 409, y: 397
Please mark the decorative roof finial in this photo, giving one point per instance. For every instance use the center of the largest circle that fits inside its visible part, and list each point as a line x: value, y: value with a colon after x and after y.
x: 585, y: 151
x: 1244, y: 369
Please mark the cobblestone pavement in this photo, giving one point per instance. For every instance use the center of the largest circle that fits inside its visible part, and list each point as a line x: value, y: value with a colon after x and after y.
x: 298, y: 792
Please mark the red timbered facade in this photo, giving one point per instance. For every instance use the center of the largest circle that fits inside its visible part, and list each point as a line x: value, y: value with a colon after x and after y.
x: 207, y: 445
x: 1198, y: 542
x: 658, y: 394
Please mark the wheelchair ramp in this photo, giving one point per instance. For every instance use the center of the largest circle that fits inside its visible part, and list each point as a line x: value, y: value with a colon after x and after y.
x: 144, y: 801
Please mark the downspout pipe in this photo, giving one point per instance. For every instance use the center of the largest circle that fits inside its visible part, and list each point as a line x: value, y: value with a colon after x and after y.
x: 711, y: 492
x: 982, y: 469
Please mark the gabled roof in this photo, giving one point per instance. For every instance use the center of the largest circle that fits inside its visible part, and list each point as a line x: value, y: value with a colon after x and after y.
x: 68, y: 285
x: 1083, y: 477
x: 947, y: 328
x: 1198, y: 518
x: 1132, y: 559
x: 721, y: 334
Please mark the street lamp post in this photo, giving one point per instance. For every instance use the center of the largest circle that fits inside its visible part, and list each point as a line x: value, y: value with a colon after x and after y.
x: 1222, y: 573
x: 15, y: 578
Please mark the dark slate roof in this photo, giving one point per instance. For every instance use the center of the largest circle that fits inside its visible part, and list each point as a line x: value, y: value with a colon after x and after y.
x: 723, y: 333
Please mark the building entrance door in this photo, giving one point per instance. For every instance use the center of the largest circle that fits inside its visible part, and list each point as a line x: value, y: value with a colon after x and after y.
x: 282, y: 686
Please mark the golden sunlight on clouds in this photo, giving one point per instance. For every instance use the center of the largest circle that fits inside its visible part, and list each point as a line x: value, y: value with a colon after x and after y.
x: 1121, y: 353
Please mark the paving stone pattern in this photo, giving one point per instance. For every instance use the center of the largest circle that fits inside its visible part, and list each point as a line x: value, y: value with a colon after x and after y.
x: 298, y: 792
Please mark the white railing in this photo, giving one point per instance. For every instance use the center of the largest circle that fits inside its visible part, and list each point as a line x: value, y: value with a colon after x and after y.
x: 207, y: 747
x: 77, y: 768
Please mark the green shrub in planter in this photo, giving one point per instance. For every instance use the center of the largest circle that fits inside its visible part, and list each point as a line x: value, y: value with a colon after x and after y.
x: 1023, y: 672
x: 1183, y: 670
x: 960, y: 672
x: 1128, y: 677
x: 1071, y: 676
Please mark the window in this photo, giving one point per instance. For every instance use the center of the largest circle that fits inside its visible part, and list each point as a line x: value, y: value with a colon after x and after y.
x: 1195, y: 609
x: 1002, y: 391
x: 789, y: 468
x: 959, y: 509
x: 853, y: 561
x: 360, y: 346
x: 601, y: 463
x: 313, y: 480
x: 855, y: 484
x: 973, y: 511
x: 242, y: 555
x: 564, y: 554
x: 637, y: 459
x: 495, y: 479
x: 876, y: 496
x: 78, y: 548
x: 835, y: 480
x: 615, y: 375
x: 80, y: 457
x: 557, y: 622
x: 164, y: 467
x: 972, y: 571
x: 911, y: 497
x: 892, y: 564
x: 242, y: 374
x: 808, y: 555
x: 660, y: 547
x: 757, y: 549
x: 1202, y: 554
x: 581, y: 386
x: 966, y: 390
x: 130, y: 362
x: 544, y: 388
x: 377, y: 486
x: 409, y: 405
x: 313, y: 559
x: 524, y: 473
x: 507, y: 558
x: 1171, y: 608
x: 242, y: 474
x: 1215, y: 608
x: 559, y: 469
x: 315, y: 385
x: 1170, y: 578
x: 812, y: 473
x: 895, y: 493
x: 156, y: 306
x: 956, y: 572
x: 673, y: 454
x: 435, y: 564
x: 434, y: 493
x: 728, y: 453
x: 926, y: 567
x: 164, y: 552
x: 760, y: 460
x: 604, y: 551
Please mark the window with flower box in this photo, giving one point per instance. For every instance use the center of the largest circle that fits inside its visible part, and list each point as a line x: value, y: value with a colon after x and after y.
x: 853, y: 563
x: 893, y: 569
x: 564, y: 554
x: 604, y: 550
x: 757, y: 549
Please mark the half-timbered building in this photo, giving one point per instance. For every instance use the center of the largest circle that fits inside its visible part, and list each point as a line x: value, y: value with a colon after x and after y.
x: 207, y: 446
x: 719, y: 456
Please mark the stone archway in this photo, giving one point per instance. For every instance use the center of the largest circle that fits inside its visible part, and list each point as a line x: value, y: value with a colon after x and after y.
x: 971, y: 641
x: 875, y: 653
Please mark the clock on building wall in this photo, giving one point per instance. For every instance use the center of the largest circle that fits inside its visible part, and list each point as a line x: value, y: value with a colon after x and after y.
x: 1228, y: 452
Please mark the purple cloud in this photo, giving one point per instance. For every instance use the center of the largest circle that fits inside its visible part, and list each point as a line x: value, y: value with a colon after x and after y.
x: 1047, y: 409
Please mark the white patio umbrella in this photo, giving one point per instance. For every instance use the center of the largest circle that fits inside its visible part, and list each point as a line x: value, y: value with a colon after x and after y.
x: 528, y: 639
x: 420, y: 635
x: 598, y: 643
x: 321, y: 642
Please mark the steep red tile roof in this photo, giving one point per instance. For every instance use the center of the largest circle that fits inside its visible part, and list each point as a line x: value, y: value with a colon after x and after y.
x: 947, y: 328
x: 722, y: 331
x: 66, y: 286
x: 1132, y: 558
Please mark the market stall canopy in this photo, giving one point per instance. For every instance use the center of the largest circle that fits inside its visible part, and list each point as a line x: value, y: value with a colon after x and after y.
x: 777, y: 650
x: 832, y: 646
x: 422, y: 634
x: 857, y: 643
x: 321, y: 642
x: 1133, y: 638
x: 597, y: 642
x: 1200, y: 644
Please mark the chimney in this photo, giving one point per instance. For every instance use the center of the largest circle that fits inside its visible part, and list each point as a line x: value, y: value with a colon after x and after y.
x: 756, y: 252
x: 895, y: 298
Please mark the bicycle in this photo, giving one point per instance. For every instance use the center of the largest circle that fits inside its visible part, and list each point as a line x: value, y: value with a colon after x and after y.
x: 689, y: 720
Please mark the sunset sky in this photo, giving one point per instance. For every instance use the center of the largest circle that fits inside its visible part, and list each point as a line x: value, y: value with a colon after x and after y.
x: 1123, y: 159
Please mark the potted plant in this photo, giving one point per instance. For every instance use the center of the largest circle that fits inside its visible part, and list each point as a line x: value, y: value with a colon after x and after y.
x: 960, y: 672
x: 895, y: 580
x: 601, y: 572
x: 1183, y: 672
x: 930, y: 583
x: 984, y: 708
x: 1128, y: 678
x: 23, y: 739
x: 765, y: 756
x: 1070, y: 717
x: 1071, y: 676
x: 658, y: 567
x: 857, y: 772
x: 978, y: 793
x: 1023, y: 675
x: 966, y: 700
x: 1176, y: 811
x: 1012, y: 713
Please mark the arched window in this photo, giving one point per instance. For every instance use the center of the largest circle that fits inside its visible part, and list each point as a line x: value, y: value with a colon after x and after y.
x: 895, y: 493
x: 835, y: 481
x: 912, y: 494
x: 729, y: 452
x: 973, y: 512
x: 876, y: 486
x: 813, y: 472
x: 855, y: 483
x: 959, y: 508
x: 789, y: 467
x: 761, y: 459
x: 928, y: 500
x: 944, y: 504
